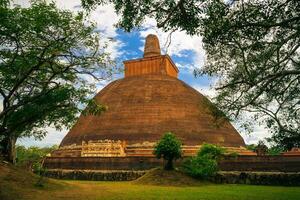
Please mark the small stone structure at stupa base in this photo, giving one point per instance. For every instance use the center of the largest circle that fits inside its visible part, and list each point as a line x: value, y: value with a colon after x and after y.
x: 148, y: 102
x: 293, y: 152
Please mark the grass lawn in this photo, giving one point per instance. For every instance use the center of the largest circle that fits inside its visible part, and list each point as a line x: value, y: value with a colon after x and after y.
x: 17, y: 184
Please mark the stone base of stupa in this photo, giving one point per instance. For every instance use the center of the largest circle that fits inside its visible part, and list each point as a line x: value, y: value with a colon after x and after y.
x: 111, y: 148
x: 278, y: 163
x: 116, y: 155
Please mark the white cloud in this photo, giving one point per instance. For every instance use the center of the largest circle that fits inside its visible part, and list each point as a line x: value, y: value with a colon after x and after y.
x: 53, y: 137
x: 1, y: 103
x: 205, y: 90
x: 259, y: 133
x: 22, y: 3
x: 105, y: 18
x: 73, y: 5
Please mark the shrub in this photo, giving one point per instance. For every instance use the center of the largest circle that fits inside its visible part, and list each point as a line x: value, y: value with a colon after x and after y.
x: 233, y: 155
x: 168, y: 148
x: 40, y: 171
x: 212, y: 151
x: 200, y: 167
x: 205, y: 164
x: 251, y: 147
x: 275, y: 150
x: 31, y: 158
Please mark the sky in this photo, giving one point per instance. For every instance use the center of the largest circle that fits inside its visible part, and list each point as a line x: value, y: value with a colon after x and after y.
x: 186, y: 51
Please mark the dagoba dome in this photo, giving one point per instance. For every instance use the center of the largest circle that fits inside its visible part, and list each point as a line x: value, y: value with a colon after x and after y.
x: 142, y: 108
x: 148, y: 102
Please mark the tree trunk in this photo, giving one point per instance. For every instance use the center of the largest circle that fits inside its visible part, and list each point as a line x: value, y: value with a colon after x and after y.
x: 11, y: 149
x: 169, y: 164
x: 3, y: 147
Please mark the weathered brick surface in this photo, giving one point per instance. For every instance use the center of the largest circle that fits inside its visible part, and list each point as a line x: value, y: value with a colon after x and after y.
x: 142, y: 108
x: 258, y: 178
x: 240, y: 163
x: 261, y: 163
x: 159, y: 65
x: 230, y: 177
x: 102, y: 163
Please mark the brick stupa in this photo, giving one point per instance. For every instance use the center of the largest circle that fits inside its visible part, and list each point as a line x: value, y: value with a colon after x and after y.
x: 148, y: 102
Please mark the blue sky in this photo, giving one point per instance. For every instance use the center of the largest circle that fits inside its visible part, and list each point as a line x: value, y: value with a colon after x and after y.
x: 186, y: 52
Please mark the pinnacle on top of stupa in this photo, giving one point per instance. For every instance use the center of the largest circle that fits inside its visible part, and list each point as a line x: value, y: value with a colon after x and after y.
x: 152, y: 63
x: 152, y: 47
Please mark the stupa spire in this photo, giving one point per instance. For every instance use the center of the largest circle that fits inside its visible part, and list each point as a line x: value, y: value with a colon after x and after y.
x: 152, y: 63
x: 152, y: 47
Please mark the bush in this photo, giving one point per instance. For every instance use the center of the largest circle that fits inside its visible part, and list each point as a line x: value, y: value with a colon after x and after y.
x: 40, y: 171
x: 200, y: 167
x: 205, y: 164
x: 251, y: 147
x: 275, y: 150
x: 211, y: 151
x: 232, y: 155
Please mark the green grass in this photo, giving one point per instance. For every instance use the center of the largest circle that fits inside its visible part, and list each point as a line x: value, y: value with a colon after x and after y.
x: 17, y: 184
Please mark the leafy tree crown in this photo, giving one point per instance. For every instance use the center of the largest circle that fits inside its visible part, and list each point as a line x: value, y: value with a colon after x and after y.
x: 50, y: 60
x: 168, y: 147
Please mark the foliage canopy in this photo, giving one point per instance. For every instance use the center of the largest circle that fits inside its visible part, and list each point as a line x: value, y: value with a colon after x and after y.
x: 50, y: 60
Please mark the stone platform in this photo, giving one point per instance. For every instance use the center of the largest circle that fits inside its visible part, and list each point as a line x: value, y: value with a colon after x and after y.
x: 240, y: 163
x: 229, y: 177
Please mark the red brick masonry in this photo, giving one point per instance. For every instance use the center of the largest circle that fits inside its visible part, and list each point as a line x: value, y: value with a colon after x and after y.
x: 240, y: 163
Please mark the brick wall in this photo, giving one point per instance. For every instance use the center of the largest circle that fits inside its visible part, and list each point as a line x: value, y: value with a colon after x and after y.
x: 240, y: 163
x: 261, y: 163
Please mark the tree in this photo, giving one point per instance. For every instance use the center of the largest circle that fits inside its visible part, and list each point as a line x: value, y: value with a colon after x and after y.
x: 47, y: 59
x: 251, y: 46
x: 168, y: 148
x: 261, y: 149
